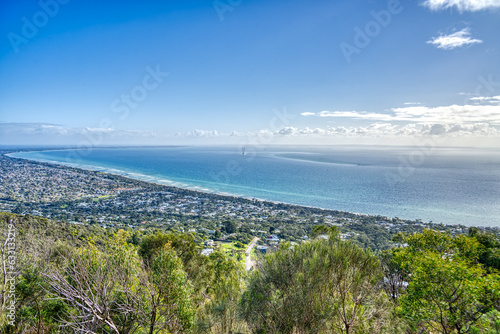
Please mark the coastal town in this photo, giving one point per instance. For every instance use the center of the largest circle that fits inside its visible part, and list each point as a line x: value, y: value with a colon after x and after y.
x: 111, y: 201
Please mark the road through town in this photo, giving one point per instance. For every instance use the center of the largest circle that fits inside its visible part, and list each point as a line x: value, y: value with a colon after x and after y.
x: 248, y: 252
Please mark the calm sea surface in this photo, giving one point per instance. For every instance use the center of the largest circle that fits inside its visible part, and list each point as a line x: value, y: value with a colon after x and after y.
x: 440, y: 185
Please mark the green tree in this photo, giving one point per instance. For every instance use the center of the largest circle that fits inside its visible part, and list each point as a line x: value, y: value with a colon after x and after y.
x: 171, y: 306
x: 321, y: 286
x: 230, y: 226
x: 219, y: 313
x: 183, y: 244
x: 358, y: 302
x: 34, y: 311
x: 324, y: 229
x: 112, y: 291
x: 490, y: 252
x: 187, y: 250
x: 448, y: 290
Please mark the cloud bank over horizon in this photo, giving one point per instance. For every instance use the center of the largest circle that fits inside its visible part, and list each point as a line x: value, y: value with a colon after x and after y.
x: 478, y: 109
x: 374, y: 133
x: 478, y: 119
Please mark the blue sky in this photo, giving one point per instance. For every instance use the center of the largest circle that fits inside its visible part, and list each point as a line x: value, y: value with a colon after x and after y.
x: 227, y: 71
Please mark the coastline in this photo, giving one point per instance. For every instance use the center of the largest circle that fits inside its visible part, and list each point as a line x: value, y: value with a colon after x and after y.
x: 179, y: 186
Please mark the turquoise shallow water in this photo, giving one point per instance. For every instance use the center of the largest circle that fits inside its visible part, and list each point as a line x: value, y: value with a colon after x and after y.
x: 443, y: 185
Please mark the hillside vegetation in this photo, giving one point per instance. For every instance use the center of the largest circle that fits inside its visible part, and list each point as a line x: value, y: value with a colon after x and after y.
x: 68, y: 278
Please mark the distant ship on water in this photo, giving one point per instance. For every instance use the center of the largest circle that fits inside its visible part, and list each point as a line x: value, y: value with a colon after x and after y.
x: 243, y: 151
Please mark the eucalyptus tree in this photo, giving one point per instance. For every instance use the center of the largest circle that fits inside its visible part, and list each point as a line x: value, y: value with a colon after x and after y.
x: 316, y: 287
x: 113, y: 291
x: 449, y: 291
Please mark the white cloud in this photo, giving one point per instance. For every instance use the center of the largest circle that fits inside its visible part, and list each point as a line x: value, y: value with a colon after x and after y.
x: 202, y: 133
x: 486, y: 99
x: 462, y: 5
x: 312, y: 132
x: 354, y: 114
x: 489, y: 113
x: 287, y: 131
x: 455, y: 40
x: 308, y: 114
x: 449, y: 114
x: 56, y: 132
x: 384, y: 130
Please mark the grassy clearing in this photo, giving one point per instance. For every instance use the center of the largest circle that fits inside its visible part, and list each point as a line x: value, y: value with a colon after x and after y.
x: 103, y: 197
x: 232, y: 245
x: 231, y: 249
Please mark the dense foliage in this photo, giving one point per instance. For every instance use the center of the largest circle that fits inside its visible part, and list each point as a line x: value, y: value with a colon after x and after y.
x: 74, y: 278
x: 318, y: 287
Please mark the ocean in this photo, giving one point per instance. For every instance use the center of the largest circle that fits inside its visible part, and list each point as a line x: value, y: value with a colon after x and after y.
x: 442, y: 185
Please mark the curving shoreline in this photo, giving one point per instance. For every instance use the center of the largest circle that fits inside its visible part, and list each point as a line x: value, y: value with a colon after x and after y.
x: 174, y: 184
x: 169, y: 183
x: 178, y: 166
